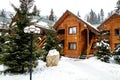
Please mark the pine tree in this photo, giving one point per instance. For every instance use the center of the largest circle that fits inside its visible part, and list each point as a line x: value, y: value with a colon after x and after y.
x: 52, y: 42
x: 78, y: 14
x: 92, y: 17
x: 2, y: 42
x: 102, y: 15
x: 51, y: 17
x: 110, y: 14
x: 4, y: 20
x: 118, y: 6
x: 3, y: 13
x: 98, y: 19
x: 116, y: 54
x: 17, y: 51
x: 103, y: 52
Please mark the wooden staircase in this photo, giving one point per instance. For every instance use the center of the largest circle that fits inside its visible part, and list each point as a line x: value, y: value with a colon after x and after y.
x: 41, y: 42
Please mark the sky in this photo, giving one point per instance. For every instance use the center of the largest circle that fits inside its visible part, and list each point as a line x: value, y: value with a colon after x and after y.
x: 60, y: 6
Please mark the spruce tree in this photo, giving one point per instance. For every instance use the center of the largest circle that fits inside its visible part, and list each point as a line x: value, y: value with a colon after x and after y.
x: 52, y: 42
x: 4, y: 19
x: 2, y: 42
x: 98, y: 20
x: 110, y: 14
x: 51, y: 17
x: 103, y: 52
x: 118, y: 6
x: 17, y: 51
x: 116, y: 54
x: 92, y: 17
x: 3, y: 13
x: 78, y: 14
x: 101, y: 15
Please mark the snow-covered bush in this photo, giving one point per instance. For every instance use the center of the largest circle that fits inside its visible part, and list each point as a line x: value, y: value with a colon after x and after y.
x: 103, y: 52
x: 116, y: 54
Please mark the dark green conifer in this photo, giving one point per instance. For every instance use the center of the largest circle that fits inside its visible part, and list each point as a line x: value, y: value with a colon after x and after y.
x: 17, y: 51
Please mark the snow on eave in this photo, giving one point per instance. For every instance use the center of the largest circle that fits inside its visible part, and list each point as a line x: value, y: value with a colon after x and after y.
x: 90, y: 26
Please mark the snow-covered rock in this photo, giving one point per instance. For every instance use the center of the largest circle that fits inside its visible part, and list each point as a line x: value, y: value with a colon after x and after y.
x: 52, y: 58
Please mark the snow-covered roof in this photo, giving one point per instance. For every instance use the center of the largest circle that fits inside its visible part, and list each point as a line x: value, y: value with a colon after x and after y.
x: 93, y: 26
x: 42, y: 24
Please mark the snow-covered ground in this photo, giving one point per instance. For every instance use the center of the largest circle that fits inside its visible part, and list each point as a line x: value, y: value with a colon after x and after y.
x: 71, y: 69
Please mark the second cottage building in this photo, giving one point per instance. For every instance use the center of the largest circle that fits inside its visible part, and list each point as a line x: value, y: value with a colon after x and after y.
x: 110, y: 30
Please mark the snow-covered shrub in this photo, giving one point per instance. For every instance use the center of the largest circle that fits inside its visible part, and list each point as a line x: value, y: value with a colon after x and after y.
x: 103, y: 52
x: 116, y: 54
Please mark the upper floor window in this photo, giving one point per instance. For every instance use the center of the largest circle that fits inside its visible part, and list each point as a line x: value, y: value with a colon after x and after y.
x: 117, y: 32
x: 72, y: 46
x: 72, y: 30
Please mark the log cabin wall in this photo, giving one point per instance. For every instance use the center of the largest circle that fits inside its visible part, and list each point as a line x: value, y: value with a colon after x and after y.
x: 70, y: 37
x: 112, y: 26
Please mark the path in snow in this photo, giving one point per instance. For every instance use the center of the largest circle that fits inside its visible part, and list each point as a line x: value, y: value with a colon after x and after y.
x: 93, y: 72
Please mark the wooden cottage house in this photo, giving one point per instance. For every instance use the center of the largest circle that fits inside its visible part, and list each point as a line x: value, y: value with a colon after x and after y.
x: 110, y: 30
x: 76, y: 35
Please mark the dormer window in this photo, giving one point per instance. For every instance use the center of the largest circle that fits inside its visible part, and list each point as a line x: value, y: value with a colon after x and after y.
x: 72, y: 30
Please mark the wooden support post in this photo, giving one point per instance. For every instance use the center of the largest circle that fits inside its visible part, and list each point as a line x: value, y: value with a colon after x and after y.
x: 87, y: 52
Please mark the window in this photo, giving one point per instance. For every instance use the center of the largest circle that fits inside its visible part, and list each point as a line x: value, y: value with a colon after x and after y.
x: 117, y: 32
x: 62, y: 31
x: 72, y: 30
x: 105, y: 33
x: 72, y: 46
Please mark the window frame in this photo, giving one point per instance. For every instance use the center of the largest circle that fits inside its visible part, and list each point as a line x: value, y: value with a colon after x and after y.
x: 117, y: 32
x: 72, y: 46
x: 71, y: 30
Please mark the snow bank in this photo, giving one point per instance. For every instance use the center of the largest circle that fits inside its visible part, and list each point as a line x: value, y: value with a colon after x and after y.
x: 1, y: 67
x: 72, y: 69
